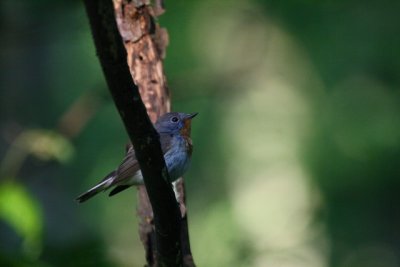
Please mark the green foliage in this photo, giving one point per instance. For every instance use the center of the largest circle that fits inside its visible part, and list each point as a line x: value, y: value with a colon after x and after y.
x: 23, y: 213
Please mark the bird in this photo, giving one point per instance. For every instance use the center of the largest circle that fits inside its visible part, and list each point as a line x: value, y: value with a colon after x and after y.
x: 174, y: 129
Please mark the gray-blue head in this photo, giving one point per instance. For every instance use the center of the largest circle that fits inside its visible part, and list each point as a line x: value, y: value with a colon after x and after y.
x: 175, y: 123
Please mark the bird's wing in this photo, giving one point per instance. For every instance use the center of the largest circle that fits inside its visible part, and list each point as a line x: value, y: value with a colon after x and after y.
x: 128, y: 167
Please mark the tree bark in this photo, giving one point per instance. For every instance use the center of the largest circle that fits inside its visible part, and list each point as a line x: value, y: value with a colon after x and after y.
x: 145, y: 42
x: 138, y: 30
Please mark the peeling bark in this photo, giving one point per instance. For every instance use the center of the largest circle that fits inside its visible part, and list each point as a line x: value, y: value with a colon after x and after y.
x: 145, y: 42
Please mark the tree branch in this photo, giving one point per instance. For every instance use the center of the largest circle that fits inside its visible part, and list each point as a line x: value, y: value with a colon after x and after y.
x: 144, y: 137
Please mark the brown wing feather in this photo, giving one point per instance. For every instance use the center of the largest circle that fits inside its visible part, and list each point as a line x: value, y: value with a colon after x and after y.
x: 130, y: 165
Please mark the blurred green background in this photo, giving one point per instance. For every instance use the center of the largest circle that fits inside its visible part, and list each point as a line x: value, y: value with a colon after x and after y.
x: 297, y: 145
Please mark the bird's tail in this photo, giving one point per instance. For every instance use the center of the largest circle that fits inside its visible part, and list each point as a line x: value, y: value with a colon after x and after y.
x: 103, y: 185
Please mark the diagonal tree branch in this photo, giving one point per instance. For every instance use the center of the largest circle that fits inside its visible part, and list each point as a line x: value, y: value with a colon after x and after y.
x: 145, y: 139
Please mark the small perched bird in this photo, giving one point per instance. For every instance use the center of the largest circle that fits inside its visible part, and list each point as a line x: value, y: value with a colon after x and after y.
x: 174, y: 129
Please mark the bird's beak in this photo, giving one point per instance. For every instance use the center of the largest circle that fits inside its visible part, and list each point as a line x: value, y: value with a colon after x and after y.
x: 192, y: 115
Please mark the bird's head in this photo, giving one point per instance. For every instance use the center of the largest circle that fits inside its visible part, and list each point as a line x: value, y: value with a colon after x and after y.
x: 175, y: 123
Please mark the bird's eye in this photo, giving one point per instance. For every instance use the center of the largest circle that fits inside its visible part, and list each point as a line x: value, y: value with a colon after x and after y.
x: 174, y: 119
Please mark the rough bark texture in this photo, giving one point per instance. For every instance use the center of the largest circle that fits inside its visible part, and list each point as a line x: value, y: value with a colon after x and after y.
x: 145, y: 139
x: 137, y: 28
x: 145, y: 43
